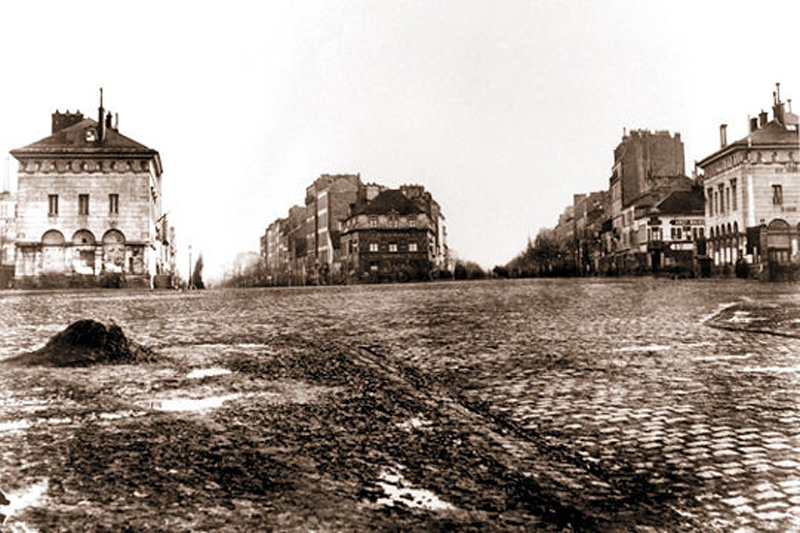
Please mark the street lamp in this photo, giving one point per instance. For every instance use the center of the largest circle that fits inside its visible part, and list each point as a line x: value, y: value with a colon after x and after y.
x: 189, y: 282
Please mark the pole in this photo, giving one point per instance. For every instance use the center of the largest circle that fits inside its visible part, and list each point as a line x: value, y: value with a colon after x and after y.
x: 189, y: 283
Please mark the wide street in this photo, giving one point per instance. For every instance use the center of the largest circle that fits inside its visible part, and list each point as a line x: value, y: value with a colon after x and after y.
x: 637, y: 403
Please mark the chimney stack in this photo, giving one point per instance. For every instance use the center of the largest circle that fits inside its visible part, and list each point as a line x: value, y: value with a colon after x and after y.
x: 101, y: 122
x: 116, y: 121
x: 753, y: 124
x: 762, y: 119
x: 723, y: 135
x: 777, y: 108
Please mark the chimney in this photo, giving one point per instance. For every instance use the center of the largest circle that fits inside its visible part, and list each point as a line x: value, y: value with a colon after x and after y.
x: 762, y: 119
x: 777, y: 109
x: 101, y: 123
x: 723, y: 135
x: 789, y: 101
x: 753, y: 124
x: 108, y: 121
x: 59, y: 120
x: 116, y: 121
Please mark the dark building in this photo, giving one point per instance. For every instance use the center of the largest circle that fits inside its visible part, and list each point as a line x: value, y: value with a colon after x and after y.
x: 392, y: 237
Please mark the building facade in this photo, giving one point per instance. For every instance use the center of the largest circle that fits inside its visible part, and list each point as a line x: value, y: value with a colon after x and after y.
x: 752, y: 194
x: 90, y: 208
x: 328, y: 200
x: 392, y: 237
x: 8, y: 210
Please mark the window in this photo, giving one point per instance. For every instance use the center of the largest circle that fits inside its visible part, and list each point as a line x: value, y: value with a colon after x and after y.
x: 721, y: 195
x: 657, y: 234
x: 113, y: 204
x: 412, y: 221
x: 412, y: 247
x: 733, y: 195
x: 83, y: 204
x: 710, y: 202
x: 392, y: 246
x: 52, y: 204
x: 373, y: 222
x: 373, y: 247
x: 728, y: 199
x: 777, y: 195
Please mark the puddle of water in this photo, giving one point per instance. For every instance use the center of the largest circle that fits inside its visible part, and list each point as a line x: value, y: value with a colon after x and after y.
x: 121, y: 414
x: 200, y: 373
x: 22, y: 499
x: 398, y: 491
x: 414, y: 423
x: 191, y: 404
x: 772, y: 369
x: 648, y: 348
x: 16, y: 425
x: 706, y: 358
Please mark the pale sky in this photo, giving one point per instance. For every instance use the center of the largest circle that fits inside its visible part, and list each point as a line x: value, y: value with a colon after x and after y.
x: 501, y: 109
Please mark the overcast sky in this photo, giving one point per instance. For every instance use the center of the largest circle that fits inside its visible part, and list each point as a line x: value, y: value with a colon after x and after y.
x: 501, y: 109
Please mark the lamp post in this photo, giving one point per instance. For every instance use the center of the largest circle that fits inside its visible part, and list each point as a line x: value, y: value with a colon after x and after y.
x: 189, y: 283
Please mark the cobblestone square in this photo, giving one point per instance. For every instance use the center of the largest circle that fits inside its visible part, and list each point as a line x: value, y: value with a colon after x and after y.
x: 623, y: 399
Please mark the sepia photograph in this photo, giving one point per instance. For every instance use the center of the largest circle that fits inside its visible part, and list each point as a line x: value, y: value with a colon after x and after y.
x: 399, y: 265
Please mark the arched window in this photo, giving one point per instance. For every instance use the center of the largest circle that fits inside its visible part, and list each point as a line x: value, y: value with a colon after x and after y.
x: 53, y: 238
x: 83, y: 237
x: 113, y: 236
x: 779, y: 240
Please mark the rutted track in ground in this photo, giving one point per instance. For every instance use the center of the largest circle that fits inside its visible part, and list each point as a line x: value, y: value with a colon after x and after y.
x: 557, y: 482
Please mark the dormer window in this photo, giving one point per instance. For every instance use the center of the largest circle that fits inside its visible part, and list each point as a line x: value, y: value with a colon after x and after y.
x: 90, y: 135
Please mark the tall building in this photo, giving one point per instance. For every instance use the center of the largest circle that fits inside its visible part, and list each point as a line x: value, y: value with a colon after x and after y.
x: 280, y: 249
x: 327, y: 203
x: 645, y: 160
x: 648, y: 166
x: 90, y: 207
x: 752, y: 192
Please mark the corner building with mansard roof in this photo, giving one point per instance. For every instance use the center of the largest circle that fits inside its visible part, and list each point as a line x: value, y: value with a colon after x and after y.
x: 752, y: 194
x: 89, y: 208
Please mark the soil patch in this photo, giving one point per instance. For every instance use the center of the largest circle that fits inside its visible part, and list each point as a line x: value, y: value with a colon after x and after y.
x: 86, y: 343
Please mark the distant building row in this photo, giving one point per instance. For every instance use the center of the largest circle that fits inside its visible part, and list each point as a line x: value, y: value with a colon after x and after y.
x: 351, y: 232
x: 738, y: 214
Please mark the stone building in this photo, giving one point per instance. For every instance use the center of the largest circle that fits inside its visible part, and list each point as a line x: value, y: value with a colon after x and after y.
x: 589, y: 212
x: 327, y: 203
x: 90, y: 208
x: 668, y: 231
x: 8, y: 209
x: 394, y: 236
x: 283, y: 249
x: 752, y: 194
x: 648, y: 166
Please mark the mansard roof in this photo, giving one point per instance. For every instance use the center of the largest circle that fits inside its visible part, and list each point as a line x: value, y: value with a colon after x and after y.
x: 73, y: 141
x: 388, y: 201
x: 770, y: 136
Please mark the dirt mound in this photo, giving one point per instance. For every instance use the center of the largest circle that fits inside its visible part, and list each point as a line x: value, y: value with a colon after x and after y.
x: 86, y: 343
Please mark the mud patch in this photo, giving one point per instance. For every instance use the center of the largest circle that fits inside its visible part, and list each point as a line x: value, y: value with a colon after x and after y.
x: 86, y: 343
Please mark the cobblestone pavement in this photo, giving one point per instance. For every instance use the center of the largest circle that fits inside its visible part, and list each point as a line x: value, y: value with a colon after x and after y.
x: 624, y: 386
